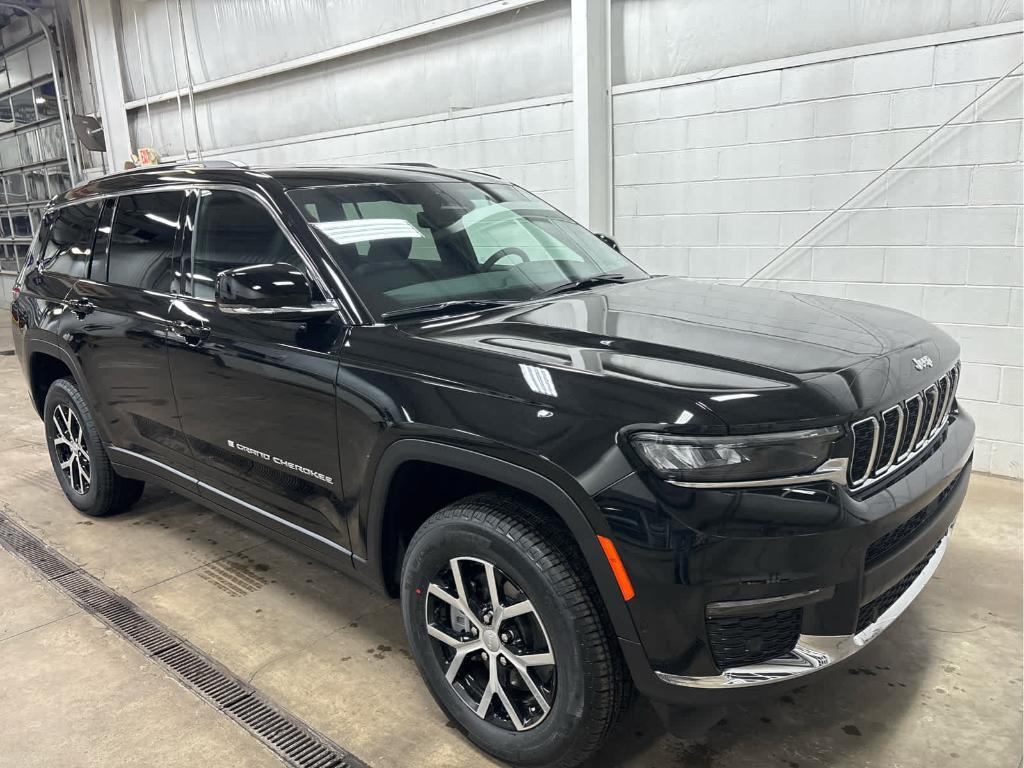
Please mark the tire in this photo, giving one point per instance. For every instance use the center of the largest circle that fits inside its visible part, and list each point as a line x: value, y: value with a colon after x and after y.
x: 87, y: 478
x: 533, y: 561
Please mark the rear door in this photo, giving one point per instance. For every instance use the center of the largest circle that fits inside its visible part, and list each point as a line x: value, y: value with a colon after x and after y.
x: 120, y: 327
x: 257, y: 395
x: 64, y: 257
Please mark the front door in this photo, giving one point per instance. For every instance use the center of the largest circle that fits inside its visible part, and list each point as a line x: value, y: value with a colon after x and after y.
x: 257, y: 395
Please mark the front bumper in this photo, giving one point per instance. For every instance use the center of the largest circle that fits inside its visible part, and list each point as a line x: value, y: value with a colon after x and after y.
x: 846, y: 564
x: 814, y: 652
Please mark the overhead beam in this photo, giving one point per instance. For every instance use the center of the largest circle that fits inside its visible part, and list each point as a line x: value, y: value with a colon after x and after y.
x: 592, y: 113
x: 106, y: 56
x: 341, y: 51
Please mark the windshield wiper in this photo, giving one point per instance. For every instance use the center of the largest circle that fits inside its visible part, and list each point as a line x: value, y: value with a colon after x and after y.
x: 585, y: 282
x: 441, y: 306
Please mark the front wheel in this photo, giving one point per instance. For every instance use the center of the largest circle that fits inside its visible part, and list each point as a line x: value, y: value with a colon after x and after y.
x: 507, y: 632
x: 78, y: 457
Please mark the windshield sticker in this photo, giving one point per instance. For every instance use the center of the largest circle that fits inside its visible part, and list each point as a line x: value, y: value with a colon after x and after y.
x: 364, y: 230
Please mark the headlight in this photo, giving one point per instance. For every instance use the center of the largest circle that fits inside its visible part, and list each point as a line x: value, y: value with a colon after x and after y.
x: 690, y: 459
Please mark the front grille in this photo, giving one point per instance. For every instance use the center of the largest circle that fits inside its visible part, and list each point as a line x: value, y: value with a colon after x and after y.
x: 904, y: 533
x: 889, y: 440
x: 911, y: 426
x: 864, y: 438
x: 870, y: 612
x: 740, y: 640
x: 892, y: 424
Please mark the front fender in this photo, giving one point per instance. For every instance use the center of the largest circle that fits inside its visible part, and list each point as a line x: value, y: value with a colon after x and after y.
x: 566, y: 498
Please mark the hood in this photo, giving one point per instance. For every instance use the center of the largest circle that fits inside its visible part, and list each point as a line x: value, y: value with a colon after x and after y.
x: 722, y: 344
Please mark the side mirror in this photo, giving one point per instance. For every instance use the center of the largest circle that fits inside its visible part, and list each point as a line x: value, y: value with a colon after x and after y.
x: 609, y: 241
x: 277, y: 290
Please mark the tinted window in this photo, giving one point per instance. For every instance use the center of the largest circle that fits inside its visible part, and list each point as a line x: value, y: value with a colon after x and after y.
x: 69, y: 244
x: 98, y: 271
x: 234, y: 230
x: 142, y: 241
x: 411, y: 244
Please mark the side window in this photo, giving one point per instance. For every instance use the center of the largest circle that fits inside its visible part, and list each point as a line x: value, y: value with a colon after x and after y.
x: 142, y: 239
x: 69, y: 244
x: 234, y: 230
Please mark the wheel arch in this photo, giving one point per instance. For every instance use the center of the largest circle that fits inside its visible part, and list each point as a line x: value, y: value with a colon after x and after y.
x: 47, y: 361
x: 383, y: 547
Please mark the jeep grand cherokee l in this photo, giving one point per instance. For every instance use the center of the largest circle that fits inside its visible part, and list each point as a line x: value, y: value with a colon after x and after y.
x: 578, y: 477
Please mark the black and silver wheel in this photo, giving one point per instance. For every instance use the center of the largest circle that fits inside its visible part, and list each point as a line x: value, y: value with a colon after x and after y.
x: 491, y: 644
x: 78, y: 457
x: 72, y: 450
x: 508, y: 632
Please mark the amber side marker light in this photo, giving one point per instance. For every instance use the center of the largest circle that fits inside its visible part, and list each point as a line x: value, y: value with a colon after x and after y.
x: 617, y: 567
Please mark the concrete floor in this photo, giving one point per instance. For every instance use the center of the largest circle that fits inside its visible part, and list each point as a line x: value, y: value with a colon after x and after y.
x: 941, y: 688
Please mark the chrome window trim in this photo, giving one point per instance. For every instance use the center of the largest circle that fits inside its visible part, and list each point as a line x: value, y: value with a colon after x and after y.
x: 317, y: 308
x: 874, y: 449
x: 813, y: 652
x: 898, y: 408
x: 347, y: 308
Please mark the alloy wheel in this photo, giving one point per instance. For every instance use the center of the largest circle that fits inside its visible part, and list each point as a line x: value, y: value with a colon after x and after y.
x: 491, y: 644
x: 71, y: 449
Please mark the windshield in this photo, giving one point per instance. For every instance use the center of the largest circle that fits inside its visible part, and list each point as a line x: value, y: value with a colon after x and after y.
x: 415, y: 244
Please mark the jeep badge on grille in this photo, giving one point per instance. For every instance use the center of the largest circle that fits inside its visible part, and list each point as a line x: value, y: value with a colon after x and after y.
x: 920, y: 363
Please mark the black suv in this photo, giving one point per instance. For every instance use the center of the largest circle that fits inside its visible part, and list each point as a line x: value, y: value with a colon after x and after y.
x: 578, y: 477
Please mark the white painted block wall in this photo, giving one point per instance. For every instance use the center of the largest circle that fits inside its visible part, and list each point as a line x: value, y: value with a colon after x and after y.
x: 713, y: 179
x: 527, y: 143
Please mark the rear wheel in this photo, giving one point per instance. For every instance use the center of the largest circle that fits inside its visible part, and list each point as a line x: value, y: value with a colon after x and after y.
x: 78, y: 457
x: 508, y: 633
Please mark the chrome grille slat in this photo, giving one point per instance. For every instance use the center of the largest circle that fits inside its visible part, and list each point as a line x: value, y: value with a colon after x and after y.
x: 947, y: 407
x: 931, y: 407
x: 914, y: 407
x: 860, y: 469
x: 883, y: 443
x: 889, y: 441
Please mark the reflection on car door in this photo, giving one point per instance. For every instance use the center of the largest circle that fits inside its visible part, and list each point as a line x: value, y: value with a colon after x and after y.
x: 257, y: 395
x: 119, y: 329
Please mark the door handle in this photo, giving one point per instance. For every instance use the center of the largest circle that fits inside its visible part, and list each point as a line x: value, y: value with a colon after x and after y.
x: 194, y: 333
x: 81, y: 307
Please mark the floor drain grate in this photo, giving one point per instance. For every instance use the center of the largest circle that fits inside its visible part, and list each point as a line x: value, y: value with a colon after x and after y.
x: 288, y: 736
x: 41, y: 557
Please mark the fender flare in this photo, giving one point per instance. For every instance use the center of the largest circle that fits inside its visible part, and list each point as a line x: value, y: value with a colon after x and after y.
x: 34, y: 345
x: 573, y: 512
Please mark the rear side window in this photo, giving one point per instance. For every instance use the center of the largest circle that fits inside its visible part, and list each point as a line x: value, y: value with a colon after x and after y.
x: 142, y: 239
x: 69, y: 244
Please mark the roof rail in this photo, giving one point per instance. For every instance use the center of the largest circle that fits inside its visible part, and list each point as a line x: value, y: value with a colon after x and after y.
x: 187, y: 164
x: 221, y: 164
x: 418, y: 165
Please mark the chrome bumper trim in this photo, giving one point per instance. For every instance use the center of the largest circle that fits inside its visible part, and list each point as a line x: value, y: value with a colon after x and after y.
x: 813, y: 652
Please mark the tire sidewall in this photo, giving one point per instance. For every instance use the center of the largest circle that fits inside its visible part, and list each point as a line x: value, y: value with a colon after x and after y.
x: 60, y: 393
x: 430, y: 552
